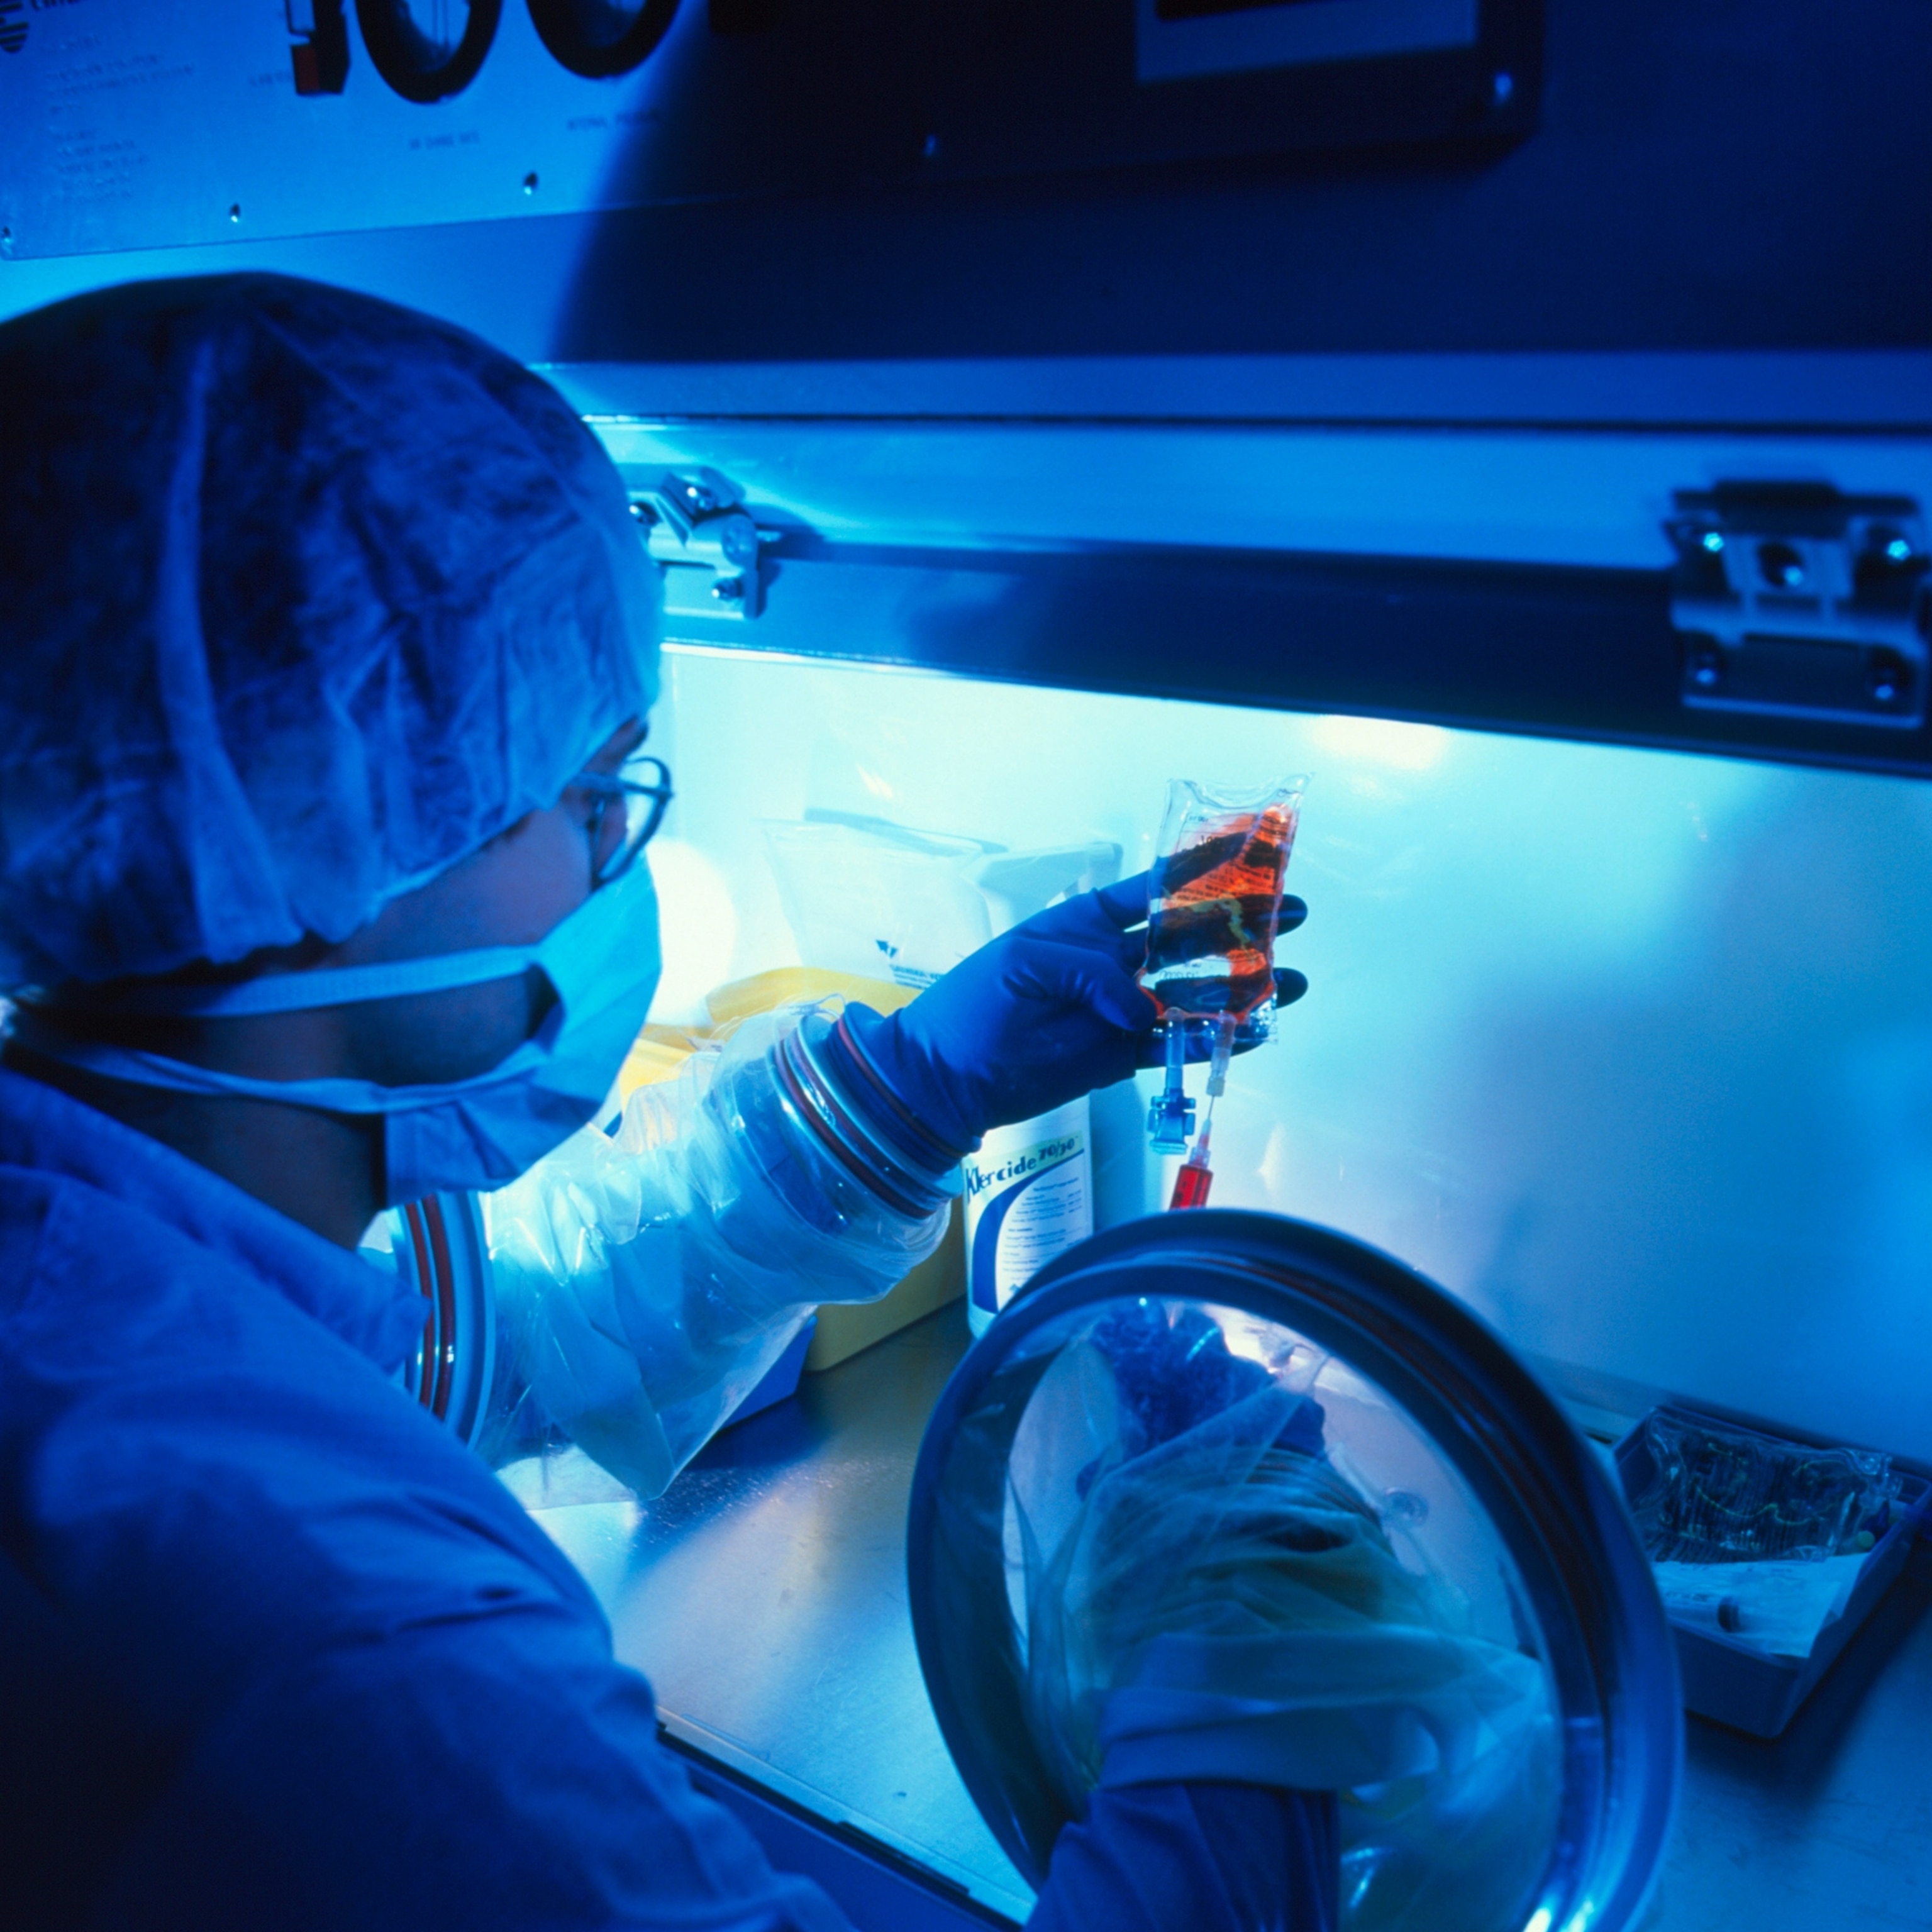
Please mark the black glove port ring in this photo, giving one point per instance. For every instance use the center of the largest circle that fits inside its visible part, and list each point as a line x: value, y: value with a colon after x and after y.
x: 1612, y: 1666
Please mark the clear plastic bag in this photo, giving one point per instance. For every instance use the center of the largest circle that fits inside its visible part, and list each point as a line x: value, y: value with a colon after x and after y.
x: 867, y: 896
x: 645, y: 1280
x: 1216, y: 898
x: 1719, y: 1494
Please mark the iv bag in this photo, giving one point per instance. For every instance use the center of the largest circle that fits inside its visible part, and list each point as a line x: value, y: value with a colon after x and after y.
x: 1215, y: 897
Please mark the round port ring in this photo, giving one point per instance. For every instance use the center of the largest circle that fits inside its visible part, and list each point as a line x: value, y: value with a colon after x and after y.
x: 576, y: 34
x: 413, y: 65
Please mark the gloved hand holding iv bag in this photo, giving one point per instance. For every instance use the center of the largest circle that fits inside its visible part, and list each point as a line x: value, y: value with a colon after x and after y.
x: 646, y: 1281
x: 1044, y: 1014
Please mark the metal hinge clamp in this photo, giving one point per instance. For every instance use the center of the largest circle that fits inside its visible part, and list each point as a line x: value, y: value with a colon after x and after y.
x: 1796, y: 600
x: 698, y: 530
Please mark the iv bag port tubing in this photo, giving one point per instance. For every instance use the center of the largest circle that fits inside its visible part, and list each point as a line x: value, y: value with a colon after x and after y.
x: 1541, y: 650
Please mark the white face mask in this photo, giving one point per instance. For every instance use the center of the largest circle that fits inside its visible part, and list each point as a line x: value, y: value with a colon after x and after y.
x: 602, y: 961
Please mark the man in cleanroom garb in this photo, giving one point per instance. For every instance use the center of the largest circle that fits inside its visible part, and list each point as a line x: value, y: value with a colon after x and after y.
x: 327, y: 638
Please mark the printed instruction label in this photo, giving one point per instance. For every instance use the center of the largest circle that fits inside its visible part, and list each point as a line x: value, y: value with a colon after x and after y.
x: 1029, y: 1198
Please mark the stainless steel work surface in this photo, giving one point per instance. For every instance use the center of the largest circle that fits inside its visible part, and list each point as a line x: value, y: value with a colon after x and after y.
x: 1831, y: 1824
x: 765, y: 1597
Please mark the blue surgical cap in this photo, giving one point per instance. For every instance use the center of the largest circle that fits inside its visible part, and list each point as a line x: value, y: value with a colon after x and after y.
x: 304, y: 598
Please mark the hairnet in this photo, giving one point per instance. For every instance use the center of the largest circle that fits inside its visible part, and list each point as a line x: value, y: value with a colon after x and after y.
x: 306, y: 597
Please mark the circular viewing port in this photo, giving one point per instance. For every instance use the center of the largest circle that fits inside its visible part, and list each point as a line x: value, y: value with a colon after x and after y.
x: 601, y: 38
x: 1220, y: 1496
x: 428, y: 49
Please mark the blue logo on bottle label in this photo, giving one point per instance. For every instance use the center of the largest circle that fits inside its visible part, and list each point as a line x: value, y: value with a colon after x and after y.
x: 983, y: 1284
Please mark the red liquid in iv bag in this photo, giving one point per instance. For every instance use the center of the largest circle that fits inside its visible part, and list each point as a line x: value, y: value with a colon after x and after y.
x: 1215, y: 903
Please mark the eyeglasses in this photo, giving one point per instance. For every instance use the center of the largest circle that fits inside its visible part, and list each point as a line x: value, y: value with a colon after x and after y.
x: 644, y: 800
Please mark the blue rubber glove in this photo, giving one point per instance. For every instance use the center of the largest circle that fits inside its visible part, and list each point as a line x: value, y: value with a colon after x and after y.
x: 1196, y: 1858
x: 1043, y: 1014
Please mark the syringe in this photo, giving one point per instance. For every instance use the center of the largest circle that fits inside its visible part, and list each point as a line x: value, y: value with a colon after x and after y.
x: 1195, y: 1177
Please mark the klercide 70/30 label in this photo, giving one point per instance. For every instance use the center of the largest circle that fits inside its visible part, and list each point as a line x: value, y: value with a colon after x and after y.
x: 1029, y: 1197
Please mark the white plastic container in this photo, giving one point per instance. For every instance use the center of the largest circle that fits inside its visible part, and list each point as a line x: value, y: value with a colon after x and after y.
x: 1029, y: 1197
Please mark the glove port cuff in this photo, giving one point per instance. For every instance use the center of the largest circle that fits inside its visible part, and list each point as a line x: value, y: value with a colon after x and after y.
x: 822, y: 1078
x: 885, y: 1112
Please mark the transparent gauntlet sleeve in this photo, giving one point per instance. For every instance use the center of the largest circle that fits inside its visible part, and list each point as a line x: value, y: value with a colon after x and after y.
x: 647, y: 1279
